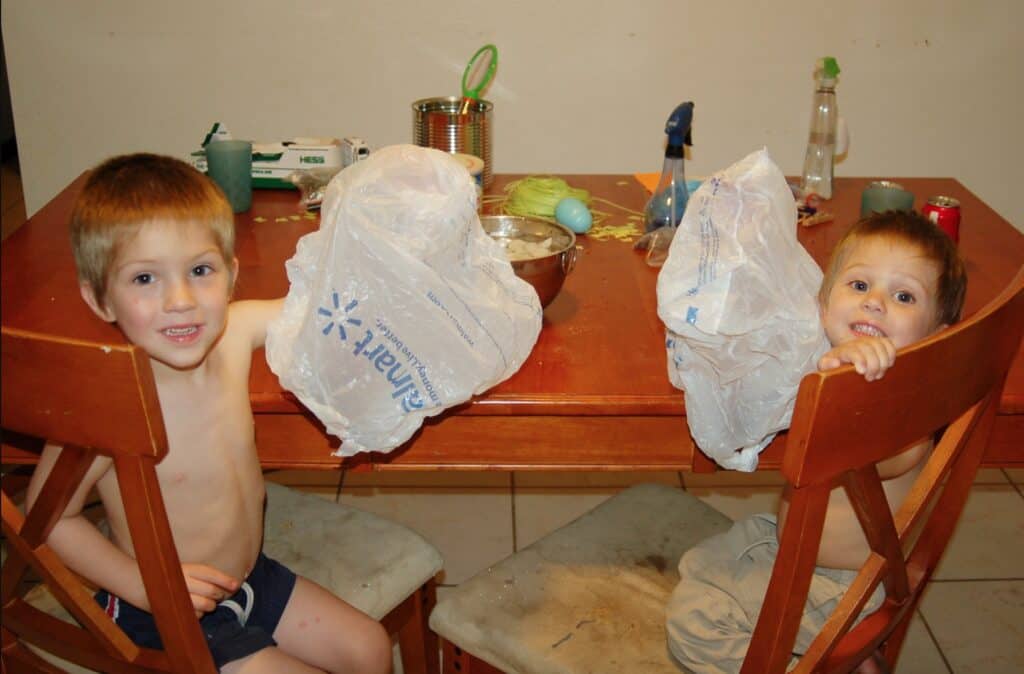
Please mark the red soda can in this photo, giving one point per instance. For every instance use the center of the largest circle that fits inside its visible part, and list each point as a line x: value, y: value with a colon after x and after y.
x: 945, y: 213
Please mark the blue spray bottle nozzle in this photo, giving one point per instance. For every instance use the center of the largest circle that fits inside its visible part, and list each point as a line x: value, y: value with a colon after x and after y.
x: 678, y: 125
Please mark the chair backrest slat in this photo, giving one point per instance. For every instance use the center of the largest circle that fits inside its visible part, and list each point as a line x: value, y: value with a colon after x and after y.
x: 868, y: 500
x: 68, y: 391
x: 55, y: 494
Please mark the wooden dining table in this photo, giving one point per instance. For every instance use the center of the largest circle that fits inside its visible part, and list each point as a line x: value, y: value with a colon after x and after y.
x: 594, y: 393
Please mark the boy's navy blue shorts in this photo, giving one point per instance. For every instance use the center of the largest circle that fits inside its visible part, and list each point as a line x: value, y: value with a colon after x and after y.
x: 240, y: 625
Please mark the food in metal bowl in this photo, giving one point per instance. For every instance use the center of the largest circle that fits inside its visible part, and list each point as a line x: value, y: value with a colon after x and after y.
x: 542, y: 253
x: 517, y: 249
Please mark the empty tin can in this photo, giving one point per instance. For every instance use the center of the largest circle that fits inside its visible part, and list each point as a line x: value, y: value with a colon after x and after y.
x: 438, y: 123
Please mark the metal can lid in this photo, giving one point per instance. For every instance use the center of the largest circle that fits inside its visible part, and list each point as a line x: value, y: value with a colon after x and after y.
x: 942, y: 201
x: 885, y: 184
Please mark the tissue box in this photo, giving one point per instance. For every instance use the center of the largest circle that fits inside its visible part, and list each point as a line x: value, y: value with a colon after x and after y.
x: 273, y: 162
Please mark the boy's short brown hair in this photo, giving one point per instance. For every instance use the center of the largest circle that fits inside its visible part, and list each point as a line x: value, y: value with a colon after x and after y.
x: 916, y: 230
x: 128, y: 191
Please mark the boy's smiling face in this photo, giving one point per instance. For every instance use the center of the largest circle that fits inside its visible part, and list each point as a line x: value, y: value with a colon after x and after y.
x: 168, y: 292
x: 885, y: 288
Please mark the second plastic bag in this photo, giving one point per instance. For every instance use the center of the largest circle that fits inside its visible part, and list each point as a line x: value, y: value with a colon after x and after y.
x: 400, y: 306
x: 738, y: 296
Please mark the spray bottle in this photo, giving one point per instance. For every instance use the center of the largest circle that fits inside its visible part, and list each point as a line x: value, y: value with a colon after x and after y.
x: 667, y: 204
x: 665, y: 209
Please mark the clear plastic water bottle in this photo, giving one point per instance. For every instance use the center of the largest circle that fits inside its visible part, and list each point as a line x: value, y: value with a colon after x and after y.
x: 821, y: 144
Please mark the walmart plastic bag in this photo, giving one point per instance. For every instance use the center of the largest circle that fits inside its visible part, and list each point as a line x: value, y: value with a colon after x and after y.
x: 738, y: 296
x: 400, y: 306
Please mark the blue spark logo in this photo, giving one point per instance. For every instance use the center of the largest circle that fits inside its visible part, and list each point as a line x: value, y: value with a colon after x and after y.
x: 341, y: 319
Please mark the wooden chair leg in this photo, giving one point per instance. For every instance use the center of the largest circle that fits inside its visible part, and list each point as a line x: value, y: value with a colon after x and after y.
x: 418, y: 643
x: 893, y: 646
x: 457, y: 661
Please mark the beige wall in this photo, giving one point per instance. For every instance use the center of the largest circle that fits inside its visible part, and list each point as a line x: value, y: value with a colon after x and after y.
x: 928, y: 88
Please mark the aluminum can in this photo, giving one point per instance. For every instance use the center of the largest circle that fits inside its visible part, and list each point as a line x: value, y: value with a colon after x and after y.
x: 945, y: 213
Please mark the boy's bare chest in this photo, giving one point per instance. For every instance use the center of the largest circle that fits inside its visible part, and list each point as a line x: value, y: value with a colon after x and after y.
x: 210, y: 436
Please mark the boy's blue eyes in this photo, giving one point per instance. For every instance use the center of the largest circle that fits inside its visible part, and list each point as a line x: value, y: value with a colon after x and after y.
x: 146, y: 278
x: 902, y: 296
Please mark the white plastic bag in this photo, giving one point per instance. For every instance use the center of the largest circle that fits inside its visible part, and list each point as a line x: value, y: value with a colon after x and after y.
x: 738, y: 296
x: 400, y: 305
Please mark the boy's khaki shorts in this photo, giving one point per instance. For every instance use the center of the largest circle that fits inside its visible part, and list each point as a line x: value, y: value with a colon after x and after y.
x: 712, y: 612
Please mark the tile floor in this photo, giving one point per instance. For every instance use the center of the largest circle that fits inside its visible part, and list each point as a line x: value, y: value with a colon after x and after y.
x: 971, y: 620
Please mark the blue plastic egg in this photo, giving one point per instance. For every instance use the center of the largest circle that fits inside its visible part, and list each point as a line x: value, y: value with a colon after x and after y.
x: 574, y: 214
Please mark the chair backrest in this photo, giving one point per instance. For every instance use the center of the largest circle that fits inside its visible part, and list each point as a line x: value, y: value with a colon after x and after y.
x: 92, y: 399
x: 947, y: 386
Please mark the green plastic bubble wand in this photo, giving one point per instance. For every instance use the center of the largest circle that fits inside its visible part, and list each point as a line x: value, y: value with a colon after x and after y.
x: 478, y: 74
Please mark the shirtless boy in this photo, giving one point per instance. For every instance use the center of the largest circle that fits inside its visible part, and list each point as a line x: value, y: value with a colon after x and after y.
x: 154, y: 245
x: 893, y: 279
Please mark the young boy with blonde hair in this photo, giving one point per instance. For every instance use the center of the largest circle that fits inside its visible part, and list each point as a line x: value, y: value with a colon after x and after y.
x: 154, y: 245
x: 893, y: 279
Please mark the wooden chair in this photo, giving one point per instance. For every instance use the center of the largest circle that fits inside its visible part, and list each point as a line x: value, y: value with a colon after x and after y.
x: 591, y: 596
x: 101, y: 399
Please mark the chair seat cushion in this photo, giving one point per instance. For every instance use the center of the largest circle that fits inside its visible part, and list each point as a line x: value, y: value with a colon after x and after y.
x: 589, y: 597
x: 370, y: 562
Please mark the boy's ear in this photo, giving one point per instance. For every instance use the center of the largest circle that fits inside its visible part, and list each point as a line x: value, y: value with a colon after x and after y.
x: 234, y: 273
x: 89, y: 295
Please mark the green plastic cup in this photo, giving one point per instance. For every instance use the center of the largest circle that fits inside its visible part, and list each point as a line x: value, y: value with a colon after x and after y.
x: 229, y: 164
x: 885, y: 195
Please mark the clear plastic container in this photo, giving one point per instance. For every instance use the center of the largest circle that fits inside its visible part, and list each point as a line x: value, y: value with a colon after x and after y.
x: 821, y: 144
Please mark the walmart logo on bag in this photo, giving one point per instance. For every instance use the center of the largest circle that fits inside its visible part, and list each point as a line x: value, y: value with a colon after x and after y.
x: 342, y: 320
x: 384, y: 350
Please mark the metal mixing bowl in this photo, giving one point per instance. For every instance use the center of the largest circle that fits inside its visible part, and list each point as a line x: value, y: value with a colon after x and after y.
x: 546, y: 273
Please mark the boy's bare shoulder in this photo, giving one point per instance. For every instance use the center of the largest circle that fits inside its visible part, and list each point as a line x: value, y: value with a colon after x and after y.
x: 248, y: 320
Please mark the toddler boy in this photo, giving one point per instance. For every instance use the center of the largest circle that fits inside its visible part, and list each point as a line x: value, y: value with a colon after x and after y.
x: 893, y: 279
